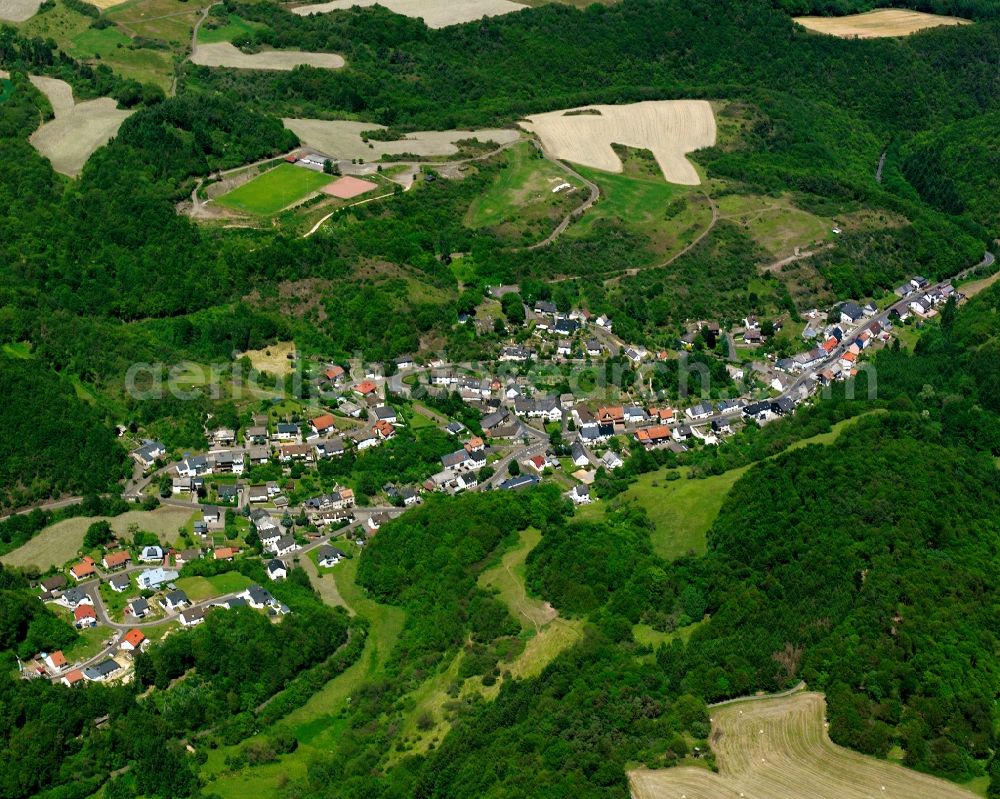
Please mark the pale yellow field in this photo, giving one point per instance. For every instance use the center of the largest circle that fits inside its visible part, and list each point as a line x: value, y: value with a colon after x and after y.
x: 61, y: 542
x: 877, y: 24
x: 668, y: 128
x: 779, y: 749
x: 342, y: 139
x: 226, y: 54
x: 18, y: 10
x: 77, y: 130
x: 435, y: 13
x: 273, y: 359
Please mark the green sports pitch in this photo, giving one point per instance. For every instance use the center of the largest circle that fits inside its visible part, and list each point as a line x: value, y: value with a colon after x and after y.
x: 275, y: 189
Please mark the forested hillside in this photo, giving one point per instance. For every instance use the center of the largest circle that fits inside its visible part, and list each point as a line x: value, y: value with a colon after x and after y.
x: 55, y: 443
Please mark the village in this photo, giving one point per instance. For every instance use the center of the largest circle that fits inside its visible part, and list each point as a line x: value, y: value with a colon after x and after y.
x: 515, y: 431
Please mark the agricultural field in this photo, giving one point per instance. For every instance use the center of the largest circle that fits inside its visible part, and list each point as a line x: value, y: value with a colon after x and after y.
x: 18, y: 10
x: 521, y: 203
x: 342, y: 139
x: 225, y: 54
x: 883, y: 22
x: 275, y: 190
x: 61, y: 542
x: 77, y: 130
x: 668, y: 128
x: 435, y: 13
x: 773, y: 748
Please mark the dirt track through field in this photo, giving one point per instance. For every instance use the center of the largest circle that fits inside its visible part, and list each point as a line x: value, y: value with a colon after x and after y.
x: 877, y: 24
x: 226, y: 54
x: 668, y: 128
x: 435, y: 13
x: 778, y: 748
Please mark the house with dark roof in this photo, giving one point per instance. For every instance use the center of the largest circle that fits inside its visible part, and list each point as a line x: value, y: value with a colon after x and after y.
x: 850, y: 312
x: 329, y: 556
x: 102, y: 671
x: 276, y: 570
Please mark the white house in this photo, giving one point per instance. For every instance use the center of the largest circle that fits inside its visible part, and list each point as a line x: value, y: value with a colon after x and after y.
x: 277, y: 570
x: 151, y: 554
x: 175, y: 600
x: 466, y: 481
x: 329, y: 556
x: 284, y: 545
x: 153, y: 578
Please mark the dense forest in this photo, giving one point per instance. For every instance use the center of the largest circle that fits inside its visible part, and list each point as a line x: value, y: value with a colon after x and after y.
x: 55, y: 442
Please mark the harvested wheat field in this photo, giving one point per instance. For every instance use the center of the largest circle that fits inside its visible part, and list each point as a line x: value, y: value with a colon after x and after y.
x: 668, y: 128
x: 77, y: 130
x: 18, y: 10
x: 883, y: 22
x: 435, y: 13
x: 226, y: 54
x: 778, y: 748
x: 347, y: 187
x: 342, y: 139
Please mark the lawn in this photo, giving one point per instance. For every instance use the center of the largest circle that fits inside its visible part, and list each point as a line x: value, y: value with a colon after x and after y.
x: 6, y: 89
x: 274, y: 190
x: 507, y: 578
x: 199, y: 589
x: 418, y: 421
x: 21, y: 350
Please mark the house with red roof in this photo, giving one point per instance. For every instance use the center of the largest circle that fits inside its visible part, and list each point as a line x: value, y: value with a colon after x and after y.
x: 133, y: 640
x: 366, y: 388
x: 55, y: 660
x: 85, y: 616
x: 651, y: 436
x: 83, y: 569
x: 116, y: 560
x: 383, y: 430
x: 72, y: 678
x: 322, y: 424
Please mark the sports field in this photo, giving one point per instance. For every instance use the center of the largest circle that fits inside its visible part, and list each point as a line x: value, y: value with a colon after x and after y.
x: 778, y: 748
x: 877, y: 24
x: 276, y: 189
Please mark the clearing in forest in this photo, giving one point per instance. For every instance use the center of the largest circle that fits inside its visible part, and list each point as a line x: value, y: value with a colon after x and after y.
x: 670, y: 129
x: 878, y: 24
x: 777, y: 748
x: 275, y: 359
x: 226, y: 54
x: 435, y: 13
x: 550, y: 634
x: 342, y: 139
x: 275, y: 190
x: 77, y: 130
